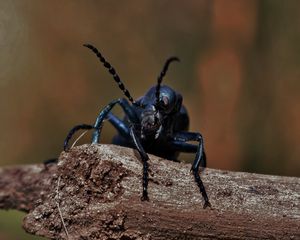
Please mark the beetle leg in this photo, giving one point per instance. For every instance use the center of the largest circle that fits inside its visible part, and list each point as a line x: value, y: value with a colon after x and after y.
x: 105, y: 113
x: 50, y: 161
x: 179, y: 142
x: 99, y: 120
x: 127, y: 108
x: 72, y: 132
x: 145, y: 159
x: 180, y: 146
x: 120, y: 125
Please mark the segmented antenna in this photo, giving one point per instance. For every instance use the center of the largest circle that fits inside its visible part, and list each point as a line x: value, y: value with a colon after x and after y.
x: 162, y: 74
x: 112, y: 71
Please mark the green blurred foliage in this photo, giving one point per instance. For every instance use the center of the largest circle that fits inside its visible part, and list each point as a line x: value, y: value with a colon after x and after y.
x: 239, y: 73
x: 11, y: 226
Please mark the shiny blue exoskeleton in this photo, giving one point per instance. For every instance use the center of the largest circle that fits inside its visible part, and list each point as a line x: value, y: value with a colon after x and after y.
x: 156, y: 123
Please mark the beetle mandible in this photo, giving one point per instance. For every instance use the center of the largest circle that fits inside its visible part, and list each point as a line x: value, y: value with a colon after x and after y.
x: 155, y: 123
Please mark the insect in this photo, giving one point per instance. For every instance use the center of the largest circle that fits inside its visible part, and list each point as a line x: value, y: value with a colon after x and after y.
x: 155, y: 123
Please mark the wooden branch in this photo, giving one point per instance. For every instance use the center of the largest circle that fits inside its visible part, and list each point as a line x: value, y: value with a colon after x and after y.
x: 95, y: 191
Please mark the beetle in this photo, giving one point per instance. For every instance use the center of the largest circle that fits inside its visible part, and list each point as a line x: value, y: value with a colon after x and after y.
x: 155, y: 123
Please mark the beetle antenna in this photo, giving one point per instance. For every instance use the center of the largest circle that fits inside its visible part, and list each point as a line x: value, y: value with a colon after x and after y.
x: 112, y: 71
x: 162, y: 74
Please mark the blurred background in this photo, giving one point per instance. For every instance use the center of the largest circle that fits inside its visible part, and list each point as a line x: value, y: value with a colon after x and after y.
x: 239, y: 75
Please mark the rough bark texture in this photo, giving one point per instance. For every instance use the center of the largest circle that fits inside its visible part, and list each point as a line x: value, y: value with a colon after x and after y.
x: 95, y: 191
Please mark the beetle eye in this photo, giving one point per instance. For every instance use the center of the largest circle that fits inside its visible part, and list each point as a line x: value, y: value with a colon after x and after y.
x: 164, y: 104
x: 165, y: 101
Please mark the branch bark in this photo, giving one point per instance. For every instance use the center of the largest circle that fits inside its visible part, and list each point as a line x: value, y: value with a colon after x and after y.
x: 94, y: 191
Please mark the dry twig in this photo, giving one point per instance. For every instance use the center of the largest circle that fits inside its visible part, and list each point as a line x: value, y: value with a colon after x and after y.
x: 101, y: 189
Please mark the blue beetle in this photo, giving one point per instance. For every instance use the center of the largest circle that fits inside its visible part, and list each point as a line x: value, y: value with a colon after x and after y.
x: 156, y: 123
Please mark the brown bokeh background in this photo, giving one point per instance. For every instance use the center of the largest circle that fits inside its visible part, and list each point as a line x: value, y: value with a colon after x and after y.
x: 239, y: 74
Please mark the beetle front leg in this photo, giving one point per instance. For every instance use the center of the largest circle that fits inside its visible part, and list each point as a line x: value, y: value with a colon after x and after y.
x: 200, y: 158
x: 99, y: 120
x: 120, y: 125
x: 128, y: 110
x: 105, y: 113
x: 145, y: 159
x: 73, y: 131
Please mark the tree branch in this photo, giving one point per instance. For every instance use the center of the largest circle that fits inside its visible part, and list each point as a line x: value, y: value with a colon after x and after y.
x: 94, y: 191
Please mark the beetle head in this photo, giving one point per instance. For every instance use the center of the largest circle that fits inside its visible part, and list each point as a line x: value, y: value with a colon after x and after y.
x: 155, y: 114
